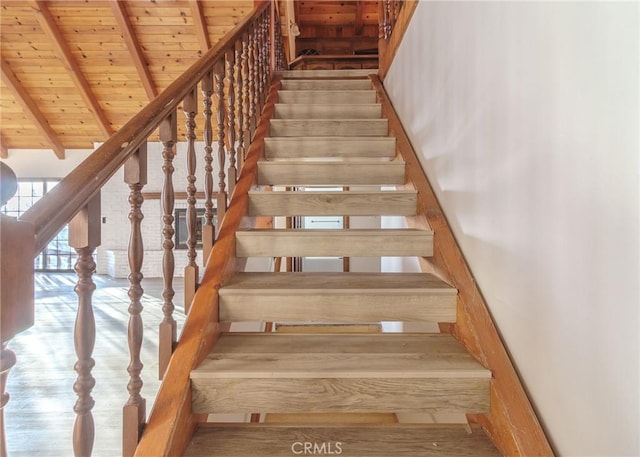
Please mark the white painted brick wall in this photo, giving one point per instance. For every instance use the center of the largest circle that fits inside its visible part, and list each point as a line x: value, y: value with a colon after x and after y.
x: 112, y: 254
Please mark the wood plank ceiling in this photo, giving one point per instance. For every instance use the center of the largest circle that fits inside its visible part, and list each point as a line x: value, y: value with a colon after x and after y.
x: 74, y: 71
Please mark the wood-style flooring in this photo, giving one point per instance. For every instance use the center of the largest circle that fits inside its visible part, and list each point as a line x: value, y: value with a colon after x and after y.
x: 39, y: 416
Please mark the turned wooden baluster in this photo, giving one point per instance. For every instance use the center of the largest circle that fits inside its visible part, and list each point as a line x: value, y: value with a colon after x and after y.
x: 208, y: 230
x: 7, y: 361
x: 84, y: 237
x: 240, y: 100
x: 218, y: 75
x: 266, y: 53
x: 191, y: 271
x: 252, y: 84
x: 382, y: 8
x: 167, y: 335
x: 232, y: 173
x: 134, y: 411
x: 388, y: 13
x: 259, y: 64
x: 246, y: 98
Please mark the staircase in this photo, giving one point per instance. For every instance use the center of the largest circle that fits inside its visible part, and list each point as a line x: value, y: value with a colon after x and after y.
x: 313, y: 391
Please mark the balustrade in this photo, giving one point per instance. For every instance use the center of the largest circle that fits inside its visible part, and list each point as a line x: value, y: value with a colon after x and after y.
x: 242, y: 59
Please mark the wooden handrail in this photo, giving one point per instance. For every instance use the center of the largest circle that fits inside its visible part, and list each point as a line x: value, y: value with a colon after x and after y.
x: 50, y: 214
x: 512, y: 423
x: 172, y: 422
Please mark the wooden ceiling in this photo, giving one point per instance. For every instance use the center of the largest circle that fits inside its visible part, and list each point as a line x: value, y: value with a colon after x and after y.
x: 74, y: 71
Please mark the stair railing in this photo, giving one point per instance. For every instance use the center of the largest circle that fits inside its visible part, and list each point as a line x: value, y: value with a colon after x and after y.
x: 233, y: 78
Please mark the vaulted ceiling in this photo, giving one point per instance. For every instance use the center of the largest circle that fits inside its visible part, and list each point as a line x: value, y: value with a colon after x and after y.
x: 73, y: 71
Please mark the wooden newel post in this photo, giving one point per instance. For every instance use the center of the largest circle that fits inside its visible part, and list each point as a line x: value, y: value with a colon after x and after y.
x: 16, y: 297
x: 191, y: 271
x: 134, y: 411
x: 84, y: 237
x: 168, y: 328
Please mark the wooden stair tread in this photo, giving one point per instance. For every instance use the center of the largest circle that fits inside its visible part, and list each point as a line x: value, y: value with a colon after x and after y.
x: 338, y: 373
x: 329, y: 127
x: 337, y: 297
x: 401, y: 202
x: 367, y: 172
x: 358, y: 73
x: 396, y: 440
x: 313, y: 84
x: 329, y: 146
x: 347, y: 242
x: 327, y: 96
x: 270, y: 355
x: 326, y: 111
x: 335, y: 283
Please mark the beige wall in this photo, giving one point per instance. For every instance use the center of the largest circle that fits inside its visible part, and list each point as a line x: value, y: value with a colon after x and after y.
x: 525, y: 116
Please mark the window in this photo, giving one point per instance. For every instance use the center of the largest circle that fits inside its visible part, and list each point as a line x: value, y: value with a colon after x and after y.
x: 57, y: 256
x: 181, y: 234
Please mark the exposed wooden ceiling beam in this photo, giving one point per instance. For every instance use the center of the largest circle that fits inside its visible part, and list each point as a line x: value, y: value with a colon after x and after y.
x: 359, y: 25
x: 4, y: 150
x: 50, y: 28
x: 122, y: 18
x: 31, y: 109
x: 200, y: 22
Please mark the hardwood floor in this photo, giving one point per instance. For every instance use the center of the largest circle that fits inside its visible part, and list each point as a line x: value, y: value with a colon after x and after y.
x: 39, y: 416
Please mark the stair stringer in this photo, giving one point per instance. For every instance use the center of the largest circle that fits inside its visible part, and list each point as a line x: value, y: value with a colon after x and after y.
x: 172, y: 423
x: 512, y: 423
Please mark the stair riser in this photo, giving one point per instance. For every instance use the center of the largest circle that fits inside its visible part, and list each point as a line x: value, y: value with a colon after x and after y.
x: 287, y: 111
x: 327, y: 127
x: 326, y: 84
x: 320, y: 243
x: 336, y: 97
x: 249, y: 395
x: 325, y: 147
x: 335, y: 307
x: 331, y: 204
x: 329, y: 174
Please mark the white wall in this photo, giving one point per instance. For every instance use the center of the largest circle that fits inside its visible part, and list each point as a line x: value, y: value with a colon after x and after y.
x: 43, y: 163
x: 525, y: 115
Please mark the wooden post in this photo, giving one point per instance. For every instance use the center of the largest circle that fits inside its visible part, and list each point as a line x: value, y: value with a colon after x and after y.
x: 273, y: 22
x: 240, y: 102
x: 218, y: 74
x: 252, y: 62
x: 16, y: 290
x: 246, y: 97
x: 208, y: 230
x: 231, y: 121
x: 167, y: 334
x: 84, y: 237
x: 7, y: 361
x: 134, y: 411
x: 191, y: 272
